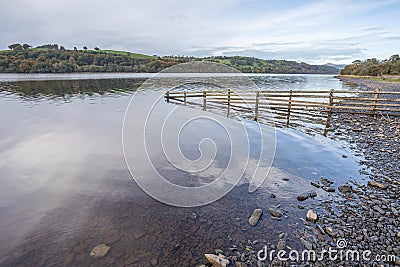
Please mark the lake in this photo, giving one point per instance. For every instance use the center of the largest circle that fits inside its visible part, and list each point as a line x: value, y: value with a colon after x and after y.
x: 65, y: 185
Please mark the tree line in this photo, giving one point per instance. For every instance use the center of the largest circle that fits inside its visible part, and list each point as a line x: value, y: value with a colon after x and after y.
x: 373, y: 67
x: 54, y: 58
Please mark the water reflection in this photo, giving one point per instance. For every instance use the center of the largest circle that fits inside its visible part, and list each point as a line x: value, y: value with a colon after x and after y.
x: 65, y: 187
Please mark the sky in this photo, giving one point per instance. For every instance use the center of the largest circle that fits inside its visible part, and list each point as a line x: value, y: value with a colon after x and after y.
x: 312, y: 31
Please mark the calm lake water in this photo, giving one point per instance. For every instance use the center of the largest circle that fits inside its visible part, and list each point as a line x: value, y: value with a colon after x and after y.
x: 65, y: 186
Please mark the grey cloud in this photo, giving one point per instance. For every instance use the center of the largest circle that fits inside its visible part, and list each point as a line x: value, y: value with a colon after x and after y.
x: 199, y: 28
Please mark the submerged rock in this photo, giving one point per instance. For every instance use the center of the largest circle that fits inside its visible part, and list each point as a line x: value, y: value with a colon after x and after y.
x: 99, y: 251
x: 302, y: 197
x: 281, y: 245
x: 255, y: 217
x: 275, y: 213
x: 217, y: 261
x: 311, y: 216
x: 329, y: 189
x: 306, y: 244
x: 312, y: 194
x: 316, y: 184
x: 325, y: 181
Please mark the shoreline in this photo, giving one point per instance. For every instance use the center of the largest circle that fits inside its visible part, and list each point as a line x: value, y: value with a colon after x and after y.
x: 363, y: 215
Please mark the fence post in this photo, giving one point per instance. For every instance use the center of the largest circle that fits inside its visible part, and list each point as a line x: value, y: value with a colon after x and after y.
x: 257, y: 103
x: 376, y: 95
x: 328, y: 118
x: 229, y: 102
x: 167, y: 96
x: 289, y: 107
x: 184, y: 98
x: 204, y: 100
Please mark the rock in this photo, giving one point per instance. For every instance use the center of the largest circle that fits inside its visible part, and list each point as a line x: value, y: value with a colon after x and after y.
x: 325, y: 181
x: 275, y: 213
x: 397, y: 261
x: 193, y: 216
x: 272, y: 196
x: 99, y: 251
x: 217, y: 261
x: 240, y: 264
x: 346, y: 188
x: 255, y: 217
x: 379, y: 209
x: 312, y: 194
x: 328, y: 189
x: 285, y: 179
x: 281, y: 245
x: 311, y: 216
x: 306, y: 244
x: 329, y: 231
x: 302, y: 197
x: 395, y: 212
x: 398, y: 234
x: 316, y: 184
x: 218, y: 251
x: 319, y: 228
x: 154, y: 262
x: 376, y: 184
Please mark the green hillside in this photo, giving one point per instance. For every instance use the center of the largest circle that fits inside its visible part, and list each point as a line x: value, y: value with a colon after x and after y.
x: 53, y: 58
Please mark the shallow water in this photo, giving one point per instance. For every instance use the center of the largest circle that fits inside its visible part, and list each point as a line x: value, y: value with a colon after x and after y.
x: 66, y: 187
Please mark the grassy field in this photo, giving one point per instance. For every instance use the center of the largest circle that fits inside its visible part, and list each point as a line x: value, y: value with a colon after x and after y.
x: 133, y: 55
x: 115, y: 52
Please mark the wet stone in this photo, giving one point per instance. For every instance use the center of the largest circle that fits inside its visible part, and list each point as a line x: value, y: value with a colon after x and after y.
x: 302, y: 196
x: 99, y: 251
x: 311, y: 216
x: 316, y: 184
x: 328, y: 189
x: 275, y: 213
x: 217, y: 261
x: 255, y: 217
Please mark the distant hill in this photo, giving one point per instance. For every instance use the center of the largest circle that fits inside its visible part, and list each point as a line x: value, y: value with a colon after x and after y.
x: 56, y: 59
x: 337, y: 66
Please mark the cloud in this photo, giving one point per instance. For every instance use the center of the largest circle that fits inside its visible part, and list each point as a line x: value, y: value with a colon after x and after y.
x: 271, y: 28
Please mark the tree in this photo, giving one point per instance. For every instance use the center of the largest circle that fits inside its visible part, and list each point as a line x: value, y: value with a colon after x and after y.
x: 75, y: 48
x: 85, y: 48
x: 26, y: 46
x: 62, y: 48
x: 394, y: 58
x: 96, y: 48
x: 15, y: 47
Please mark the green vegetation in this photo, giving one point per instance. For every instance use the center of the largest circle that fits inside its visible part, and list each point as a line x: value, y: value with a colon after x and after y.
x: 132, y: 55
x: 52, y: 58
x: 373, y: 67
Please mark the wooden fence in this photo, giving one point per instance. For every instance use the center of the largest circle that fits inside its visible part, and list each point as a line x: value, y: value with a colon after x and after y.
x: 313, y: 109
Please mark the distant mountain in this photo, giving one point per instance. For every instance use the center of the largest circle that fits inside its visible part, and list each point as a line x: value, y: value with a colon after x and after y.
x: 337, y: 66
x: 56, y: 59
